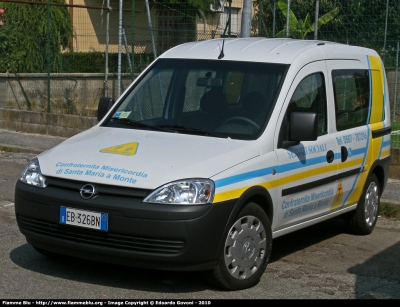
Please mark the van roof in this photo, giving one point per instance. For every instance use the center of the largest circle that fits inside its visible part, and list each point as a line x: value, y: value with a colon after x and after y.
x: 272, y: 50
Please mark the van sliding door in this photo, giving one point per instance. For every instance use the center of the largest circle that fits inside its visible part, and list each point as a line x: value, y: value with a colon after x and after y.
x: 354, y: 102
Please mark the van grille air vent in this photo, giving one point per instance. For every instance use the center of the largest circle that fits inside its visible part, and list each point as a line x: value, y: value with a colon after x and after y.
x: 121, y: 242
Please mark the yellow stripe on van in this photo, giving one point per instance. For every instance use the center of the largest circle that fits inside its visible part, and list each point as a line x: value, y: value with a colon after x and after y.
x: 356, y: 193
x: 355, y: 162
x: 229, y: 195
x: 307, y: 174
x: 362, y: 177
x: 376, y: 64
x: 377, y: 126
x: 376, y: 116
x: 385, y: 153
x: 236, y: 193
x: 376, y: 144
x: 377, y: 90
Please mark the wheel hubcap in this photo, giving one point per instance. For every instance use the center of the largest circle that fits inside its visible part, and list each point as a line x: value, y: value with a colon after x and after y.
x: 245, y: 247
x: 371, y: 203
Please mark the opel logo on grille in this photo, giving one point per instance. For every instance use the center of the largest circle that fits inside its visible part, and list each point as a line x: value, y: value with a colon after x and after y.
x: 88, y: 191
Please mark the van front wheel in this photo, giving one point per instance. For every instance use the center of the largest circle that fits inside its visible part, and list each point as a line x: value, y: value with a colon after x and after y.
x: 362, y: 220
x: 246, y: 252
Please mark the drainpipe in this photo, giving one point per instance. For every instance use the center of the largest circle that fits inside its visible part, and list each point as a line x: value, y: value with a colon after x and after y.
x: 119, y: 46
x: 246, y: 19
x: 316, y: 20
x: 274, y: 20
x: 288, y: 19
x: 107, y: 42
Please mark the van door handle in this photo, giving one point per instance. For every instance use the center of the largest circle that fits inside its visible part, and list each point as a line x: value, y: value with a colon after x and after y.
x: 330, y: 156
x: 344, y: 153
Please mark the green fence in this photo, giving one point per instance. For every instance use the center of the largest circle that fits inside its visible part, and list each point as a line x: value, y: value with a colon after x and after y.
x: 395, y: 137
x: 46, y: 47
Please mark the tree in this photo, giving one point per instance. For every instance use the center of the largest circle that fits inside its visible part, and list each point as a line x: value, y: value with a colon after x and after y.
x: 23, y: 37
x: 300, y: 28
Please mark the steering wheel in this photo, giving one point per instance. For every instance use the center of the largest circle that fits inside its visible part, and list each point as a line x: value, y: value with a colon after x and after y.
x: 243, y: 119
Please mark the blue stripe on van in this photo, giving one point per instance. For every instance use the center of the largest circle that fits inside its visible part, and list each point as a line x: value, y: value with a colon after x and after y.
x: 280, y: 169
x: 358, y: 151
x: 268, y: 171
x: 386, y: 143
x: 244, y: 176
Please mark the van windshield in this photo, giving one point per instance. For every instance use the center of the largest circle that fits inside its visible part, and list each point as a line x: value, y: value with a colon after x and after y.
x: 202, y: 97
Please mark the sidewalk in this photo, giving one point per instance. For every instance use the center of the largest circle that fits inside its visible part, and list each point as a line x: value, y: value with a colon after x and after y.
x: 35, y: 143
x: 27, y: 142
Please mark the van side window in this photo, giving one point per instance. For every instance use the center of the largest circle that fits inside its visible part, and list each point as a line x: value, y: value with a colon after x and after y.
x: 309, y: 96
x: 352, y: 96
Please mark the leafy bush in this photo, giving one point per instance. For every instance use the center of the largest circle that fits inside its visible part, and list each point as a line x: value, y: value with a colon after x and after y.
x: 388, y: 210
x: 94, y: 62
x: 25, y: 40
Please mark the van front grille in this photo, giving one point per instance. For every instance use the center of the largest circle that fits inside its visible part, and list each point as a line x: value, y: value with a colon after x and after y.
x: 99, y: 238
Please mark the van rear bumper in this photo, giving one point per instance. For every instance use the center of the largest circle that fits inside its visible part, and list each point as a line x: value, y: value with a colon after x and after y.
x: 188, y: 238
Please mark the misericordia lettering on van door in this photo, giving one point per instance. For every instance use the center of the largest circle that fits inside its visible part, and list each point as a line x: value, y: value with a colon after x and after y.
x: 313, y: 201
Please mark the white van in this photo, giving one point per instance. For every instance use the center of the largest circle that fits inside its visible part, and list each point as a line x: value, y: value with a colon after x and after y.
x: 217, y: 148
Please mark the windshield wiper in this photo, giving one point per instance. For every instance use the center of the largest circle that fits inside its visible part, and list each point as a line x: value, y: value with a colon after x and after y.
x: 137, y: 124
x: 190, y: 130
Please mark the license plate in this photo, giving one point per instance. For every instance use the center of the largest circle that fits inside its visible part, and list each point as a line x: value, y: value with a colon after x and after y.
x: 83, y: 218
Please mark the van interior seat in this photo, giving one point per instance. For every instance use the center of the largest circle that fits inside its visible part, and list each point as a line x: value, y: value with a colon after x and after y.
x: 213, y: 102
x: 255, y: 106
x: 213, y: 107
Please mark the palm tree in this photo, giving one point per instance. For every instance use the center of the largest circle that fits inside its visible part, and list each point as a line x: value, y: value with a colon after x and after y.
x: 299, y: 28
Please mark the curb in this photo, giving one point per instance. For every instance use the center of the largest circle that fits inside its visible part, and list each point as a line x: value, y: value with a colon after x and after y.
x: 19, y: 149
x: 392, y: 202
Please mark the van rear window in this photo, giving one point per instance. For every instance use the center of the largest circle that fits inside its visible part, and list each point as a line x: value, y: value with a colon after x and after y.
x: 352, y: 97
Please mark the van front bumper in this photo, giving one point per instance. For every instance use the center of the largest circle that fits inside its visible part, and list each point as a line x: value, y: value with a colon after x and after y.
x: 173, y: 237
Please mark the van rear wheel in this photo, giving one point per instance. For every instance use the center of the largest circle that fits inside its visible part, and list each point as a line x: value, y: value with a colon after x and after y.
x: 246, y: 252
x: 363, y: 220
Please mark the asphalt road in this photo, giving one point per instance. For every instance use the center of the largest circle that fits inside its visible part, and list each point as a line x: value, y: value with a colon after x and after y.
x: 320, y: 262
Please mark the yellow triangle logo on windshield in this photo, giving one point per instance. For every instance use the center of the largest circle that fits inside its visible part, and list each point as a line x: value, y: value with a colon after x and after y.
x: 128, y: 149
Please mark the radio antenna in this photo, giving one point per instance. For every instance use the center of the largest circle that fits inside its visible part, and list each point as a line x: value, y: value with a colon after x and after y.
x: 221, y: 55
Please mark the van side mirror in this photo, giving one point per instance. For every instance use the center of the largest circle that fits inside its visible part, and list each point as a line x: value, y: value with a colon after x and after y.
x: 105, y: 105
x: 303, y: 127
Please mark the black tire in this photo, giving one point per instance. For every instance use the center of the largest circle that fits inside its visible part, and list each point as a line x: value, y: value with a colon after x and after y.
x: 248, y: 244
x: 363, y: 220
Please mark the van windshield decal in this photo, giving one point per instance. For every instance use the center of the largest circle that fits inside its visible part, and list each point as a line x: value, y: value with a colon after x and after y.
x: 121, y: 114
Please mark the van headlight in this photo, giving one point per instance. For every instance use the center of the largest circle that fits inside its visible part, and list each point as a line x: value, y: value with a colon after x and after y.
x: 32, y: 174
x: 183, y: 192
